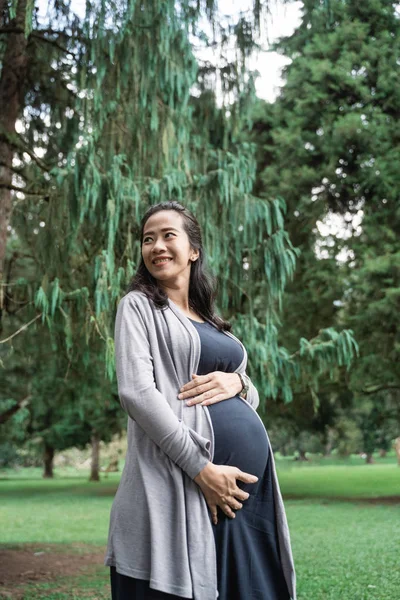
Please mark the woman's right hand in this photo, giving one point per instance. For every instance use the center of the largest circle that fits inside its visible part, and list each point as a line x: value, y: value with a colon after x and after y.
x: 218, y: 484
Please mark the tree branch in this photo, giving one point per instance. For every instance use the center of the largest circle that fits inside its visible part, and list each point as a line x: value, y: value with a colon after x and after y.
x: 5, y: 30
x: 53, y: 43
x: 21, y: 189
x: 380, y: 387
x: 25, y: 326
x: 33, y: 156
x: 17, y: 141
x: 11, y: 411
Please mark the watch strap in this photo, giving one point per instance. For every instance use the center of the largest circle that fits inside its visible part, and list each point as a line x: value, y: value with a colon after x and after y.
x: 245, y: 383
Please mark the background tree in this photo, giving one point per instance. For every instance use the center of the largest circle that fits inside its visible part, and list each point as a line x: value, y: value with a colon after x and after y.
x: 329, y: 146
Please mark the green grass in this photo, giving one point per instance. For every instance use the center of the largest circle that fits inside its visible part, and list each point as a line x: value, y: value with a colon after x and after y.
x: 335, y: 481
x: 32, y: 509
x: 343, y: 550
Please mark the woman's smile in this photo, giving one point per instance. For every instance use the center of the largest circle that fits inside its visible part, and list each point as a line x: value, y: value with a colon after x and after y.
x: 161, y: 262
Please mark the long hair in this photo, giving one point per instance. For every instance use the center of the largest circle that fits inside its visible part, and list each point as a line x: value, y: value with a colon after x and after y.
x: 202, y: 285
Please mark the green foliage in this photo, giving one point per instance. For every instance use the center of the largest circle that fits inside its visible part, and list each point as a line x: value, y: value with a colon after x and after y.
x: 328, y: 145
x: 123, y: 123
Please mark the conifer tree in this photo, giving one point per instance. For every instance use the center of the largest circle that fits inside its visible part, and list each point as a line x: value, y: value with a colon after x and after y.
x: 146, y: 126
x: 330, y: 145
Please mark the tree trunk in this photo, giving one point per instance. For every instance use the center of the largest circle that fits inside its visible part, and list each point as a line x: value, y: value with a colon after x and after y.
x: 48, y: 457
x: 94, y: 469
x: 397, y: 448
x: 369, y: 460
x: 13, y: 75
x: 302, y: 455
x: 329, y: 440
x: 382, y: 453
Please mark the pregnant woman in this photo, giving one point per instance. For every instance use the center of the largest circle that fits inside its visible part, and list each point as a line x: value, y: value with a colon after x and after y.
x: 198, y: 512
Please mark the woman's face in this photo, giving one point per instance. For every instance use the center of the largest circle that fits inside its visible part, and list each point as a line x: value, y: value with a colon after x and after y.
x: 164, y: 236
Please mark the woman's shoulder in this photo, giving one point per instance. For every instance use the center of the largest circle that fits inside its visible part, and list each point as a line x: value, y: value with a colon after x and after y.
x: 139, y: 301
x: 135, y: 298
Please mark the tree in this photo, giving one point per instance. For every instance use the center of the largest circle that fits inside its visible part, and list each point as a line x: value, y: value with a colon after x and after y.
x: 329, y: 146
x: 141, y: 124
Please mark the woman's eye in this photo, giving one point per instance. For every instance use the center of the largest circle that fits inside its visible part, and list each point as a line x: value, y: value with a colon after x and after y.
x: 149, y: 238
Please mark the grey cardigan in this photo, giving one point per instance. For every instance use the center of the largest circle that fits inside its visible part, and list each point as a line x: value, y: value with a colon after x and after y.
x: 160, y: 528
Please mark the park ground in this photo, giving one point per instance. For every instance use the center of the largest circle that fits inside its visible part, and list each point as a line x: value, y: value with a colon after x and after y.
x: 344, y: 518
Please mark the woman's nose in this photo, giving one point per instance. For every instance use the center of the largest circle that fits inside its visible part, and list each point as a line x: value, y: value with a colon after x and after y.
x: 158, y: 245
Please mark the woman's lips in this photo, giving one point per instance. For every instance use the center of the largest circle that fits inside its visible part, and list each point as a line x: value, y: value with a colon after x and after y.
x: 162, y: 264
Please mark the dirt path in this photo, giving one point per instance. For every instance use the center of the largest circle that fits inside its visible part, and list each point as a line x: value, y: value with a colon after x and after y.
x: 38, y: 563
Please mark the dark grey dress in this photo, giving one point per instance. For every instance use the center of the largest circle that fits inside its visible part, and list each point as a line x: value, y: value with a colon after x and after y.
x: 248, y: 563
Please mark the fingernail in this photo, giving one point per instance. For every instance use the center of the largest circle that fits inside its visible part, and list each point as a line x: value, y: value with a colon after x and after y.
x: 188, y: 403
x: 180, y: 395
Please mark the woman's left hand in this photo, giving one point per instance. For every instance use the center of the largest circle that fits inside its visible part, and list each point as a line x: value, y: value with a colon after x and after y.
x: 211, y: 388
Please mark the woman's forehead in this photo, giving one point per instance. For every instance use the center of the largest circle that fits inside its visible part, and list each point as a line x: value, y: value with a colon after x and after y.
x: 163, y: 219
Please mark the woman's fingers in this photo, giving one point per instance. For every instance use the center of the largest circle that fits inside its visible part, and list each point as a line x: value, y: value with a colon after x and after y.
x: 235, y: 504
x: 219, y: 486
x: 228, y: 511
x: 246, y: 477
x: 195, y: 388
x: 241, y: 494
x: 214, y: 514
x: 230, y: 505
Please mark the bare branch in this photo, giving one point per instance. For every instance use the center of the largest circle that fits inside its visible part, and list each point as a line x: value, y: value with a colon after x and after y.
x: 6, y: 415
x: 21, y: 189
x: 25, y: 326
x: 373, y: 389
x: 53, y: 43
x: 6, y: 30
x: 16, y: 140
x: 33, y: 156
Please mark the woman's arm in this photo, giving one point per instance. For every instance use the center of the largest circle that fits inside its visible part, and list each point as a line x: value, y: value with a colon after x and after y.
x: 216, y: 387
x: 141, y: 399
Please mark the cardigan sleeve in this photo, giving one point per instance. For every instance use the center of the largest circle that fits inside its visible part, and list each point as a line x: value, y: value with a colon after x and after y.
x: 141, y: 399
x: 252, y: 396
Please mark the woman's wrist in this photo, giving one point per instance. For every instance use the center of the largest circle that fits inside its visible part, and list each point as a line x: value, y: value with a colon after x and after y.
x: 203, y: 473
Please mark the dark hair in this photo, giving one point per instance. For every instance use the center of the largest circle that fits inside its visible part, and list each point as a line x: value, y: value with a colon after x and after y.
x: 202, y: 285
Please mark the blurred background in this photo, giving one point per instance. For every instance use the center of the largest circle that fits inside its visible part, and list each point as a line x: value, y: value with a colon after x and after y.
x: 276, y: 123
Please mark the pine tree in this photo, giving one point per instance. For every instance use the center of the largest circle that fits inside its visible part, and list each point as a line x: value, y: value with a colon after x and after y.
x: 330, y: 145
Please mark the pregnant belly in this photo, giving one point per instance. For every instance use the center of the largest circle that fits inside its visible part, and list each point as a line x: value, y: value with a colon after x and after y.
x: 240, y: 437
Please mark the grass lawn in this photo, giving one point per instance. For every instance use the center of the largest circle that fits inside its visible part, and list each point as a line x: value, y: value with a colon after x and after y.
x: 343, y: 550
x: 338, y: 480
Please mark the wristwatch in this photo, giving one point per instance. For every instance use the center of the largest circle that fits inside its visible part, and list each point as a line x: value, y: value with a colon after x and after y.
x: 245, y: 384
